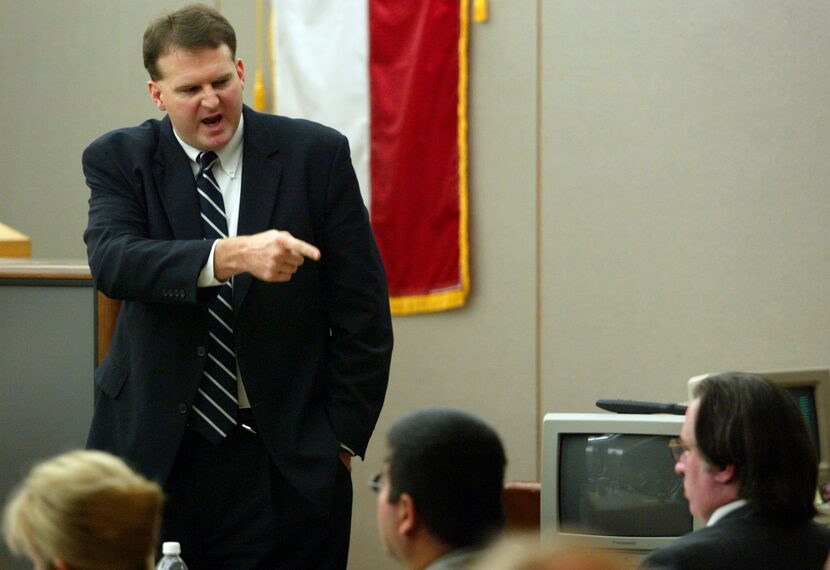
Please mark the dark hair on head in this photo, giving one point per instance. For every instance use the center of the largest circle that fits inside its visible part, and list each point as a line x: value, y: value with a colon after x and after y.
x: 191, y: 28
x: 749, y: 422
x: 452, y: 465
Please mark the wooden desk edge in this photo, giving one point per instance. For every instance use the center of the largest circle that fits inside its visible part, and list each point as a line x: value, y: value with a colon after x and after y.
x: 106, y: 309
x: 15, y: 268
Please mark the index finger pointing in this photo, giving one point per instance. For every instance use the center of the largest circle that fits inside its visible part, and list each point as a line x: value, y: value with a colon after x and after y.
x: 305, y: 249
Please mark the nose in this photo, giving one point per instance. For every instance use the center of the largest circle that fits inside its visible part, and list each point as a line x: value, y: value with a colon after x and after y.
x: 679, y: 466
x: 211, y: 99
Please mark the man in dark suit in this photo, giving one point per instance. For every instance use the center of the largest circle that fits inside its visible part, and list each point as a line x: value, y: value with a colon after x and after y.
x: 749, y: 472
x: 440, y: 491
x: 255, y: 463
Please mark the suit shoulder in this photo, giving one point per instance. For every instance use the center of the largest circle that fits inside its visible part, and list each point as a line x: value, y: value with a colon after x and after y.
x: 747, y: 542
x: 819, y: 530
x: 312, y: 127
x: 302, y: 129
x: 128, y: 141
x: 683, y: 551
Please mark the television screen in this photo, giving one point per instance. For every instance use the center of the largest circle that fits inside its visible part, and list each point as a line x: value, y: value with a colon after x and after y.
x: 620, y: 485
x: 805, y: 398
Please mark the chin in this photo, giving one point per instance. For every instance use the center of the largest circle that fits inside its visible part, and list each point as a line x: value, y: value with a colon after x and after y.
x: 214, y: 145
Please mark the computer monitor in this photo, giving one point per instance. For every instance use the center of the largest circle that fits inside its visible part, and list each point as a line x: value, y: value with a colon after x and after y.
x: 608, y: 481
x: 810, y: 388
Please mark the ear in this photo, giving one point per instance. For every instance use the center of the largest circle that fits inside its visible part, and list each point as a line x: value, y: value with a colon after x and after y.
x: 240, y: 71
x: 155, y: 94
x: 726, y: 475
x: 406, y: 515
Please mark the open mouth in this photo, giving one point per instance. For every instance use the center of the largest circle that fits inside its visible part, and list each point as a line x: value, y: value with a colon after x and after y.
x: 211, y: 121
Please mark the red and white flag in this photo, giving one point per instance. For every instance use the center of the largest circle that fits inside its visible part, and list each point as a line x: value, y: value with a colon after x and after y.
x: 392, y: 76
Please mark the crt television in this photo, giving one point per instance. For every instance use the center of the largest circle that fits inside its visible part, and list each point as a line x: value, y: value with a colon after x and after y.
x: 810, y: 388
x: 608, y: 481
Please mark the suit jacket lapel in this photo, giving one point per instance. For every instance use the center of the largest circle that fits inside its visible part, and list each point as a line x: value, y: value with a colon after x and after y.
x: 261, y: 172
x: 176, y: 185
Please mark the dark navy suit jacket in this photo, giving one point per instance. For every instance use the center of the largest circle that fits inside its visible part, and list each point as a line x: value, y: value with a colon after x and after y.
x: 747, y: 540
x: 314, y: 353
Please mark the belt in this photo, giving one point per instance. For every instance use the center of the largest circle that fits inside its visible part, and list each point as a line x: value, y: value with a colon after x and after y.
x: 247, y: 420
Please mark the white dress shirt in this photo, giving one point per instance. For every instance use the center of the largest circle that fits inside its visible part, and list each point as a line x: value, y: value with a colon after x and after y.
x: 724, y: 510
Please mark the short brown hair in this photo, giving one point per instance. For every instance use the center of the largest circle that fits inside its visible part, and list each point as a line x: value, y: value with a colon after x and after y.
x: 452, y: 465
x: 87, y: 508
x: 191, y: 28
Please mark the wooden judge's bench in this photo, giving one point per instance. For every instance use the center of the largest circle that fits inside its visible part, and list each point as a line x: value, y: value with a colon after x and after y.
x: 13, y: 243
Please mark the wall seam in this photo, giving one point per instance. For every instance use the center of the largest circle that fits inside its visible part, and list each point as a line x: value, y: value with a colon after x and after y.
x: 539, y: 219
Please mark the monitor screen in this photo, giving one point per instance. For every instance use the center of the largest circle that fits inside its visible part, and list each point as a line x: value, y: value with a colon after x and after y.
x: 805, y: 398
x: 620, y: 484
x: 608, y: 481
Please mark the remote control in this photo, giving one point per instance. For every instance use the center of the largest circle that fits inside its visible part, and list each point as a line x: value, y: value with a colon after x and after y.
x: 640, y: 407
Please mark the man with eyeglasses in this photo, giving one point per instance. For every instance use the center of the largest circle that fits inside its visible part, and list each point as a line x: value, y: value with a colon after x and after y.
x: 440, y: 491
x: 749, y: 472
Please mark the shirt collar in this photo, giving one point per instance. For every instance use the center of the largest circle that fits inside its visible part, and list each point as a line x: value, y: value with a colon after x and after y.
x: 229, y: 157
x: 724, y: 510
x: 453, y: 558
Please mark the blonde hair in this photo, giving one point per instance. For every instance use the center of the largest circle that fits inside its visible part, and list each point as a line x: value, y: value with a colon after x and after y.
x: 87, y: 509
x: 526, y: 552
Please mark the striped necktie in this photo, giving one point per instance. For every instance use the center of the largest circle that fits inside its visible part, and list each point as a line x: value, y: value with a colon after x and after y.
x: 215, y: 406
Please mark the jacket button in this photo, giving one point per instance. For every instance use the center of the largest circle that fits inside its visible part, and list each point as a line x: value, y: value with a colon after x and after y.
x: 201, y: 351
x: 182, y: 408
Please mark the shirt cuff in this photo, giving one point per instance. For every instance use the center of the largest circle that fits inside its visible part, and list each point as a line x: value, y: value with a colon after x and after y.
x: 206, y: 276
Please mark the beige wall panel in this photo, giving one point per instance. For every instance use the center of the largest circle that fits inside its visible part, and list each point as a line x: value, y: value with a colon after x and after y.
x: 685, y: 193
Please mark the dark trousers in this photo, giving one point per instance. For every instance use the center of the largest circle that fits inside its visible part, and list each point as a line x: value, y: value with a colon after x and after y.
x: 230, y: 508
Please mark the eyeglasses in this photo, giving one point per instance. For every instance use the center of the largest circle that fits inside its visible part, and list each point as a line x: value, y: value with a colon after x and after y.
x: 376, y: 482
x: 678, y: 448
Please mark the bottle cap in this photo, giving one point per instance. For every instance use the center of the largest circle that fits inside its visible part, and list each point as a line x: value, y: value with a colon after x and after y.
x: 171, y: 548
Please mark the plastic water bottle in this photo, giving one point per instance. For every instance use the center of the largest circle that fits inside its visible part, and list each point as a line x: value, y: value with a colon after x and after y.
x: 171, y: 559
